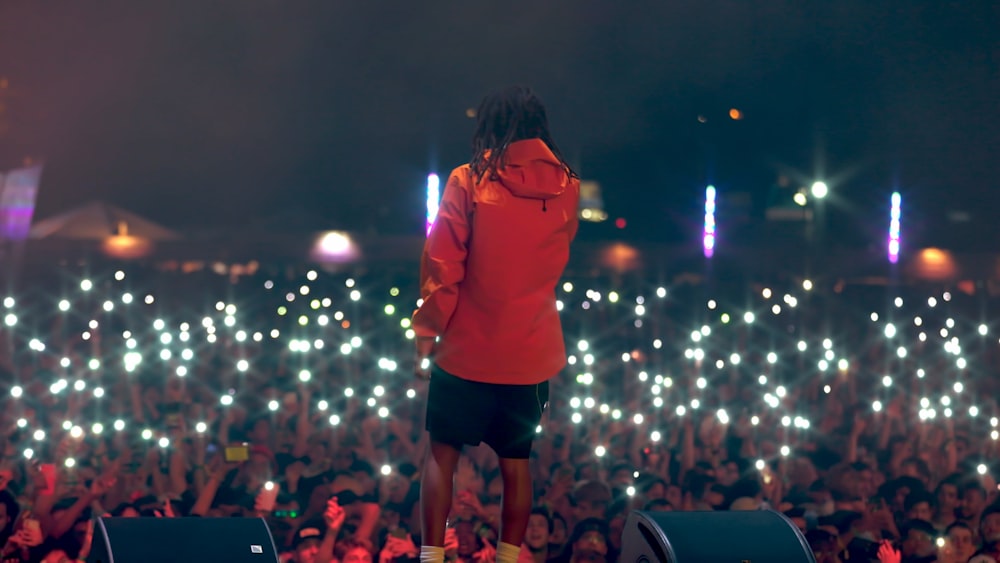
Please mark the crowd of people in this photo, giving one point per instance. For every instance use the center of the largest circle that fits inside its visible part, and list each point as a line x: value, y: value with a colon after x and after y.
x: 867, y: 415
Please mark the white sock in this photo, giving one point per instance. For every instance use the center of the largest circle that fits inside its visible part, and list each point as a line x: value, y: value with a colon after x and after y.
x: 507, y: 553
x: 431, y: 554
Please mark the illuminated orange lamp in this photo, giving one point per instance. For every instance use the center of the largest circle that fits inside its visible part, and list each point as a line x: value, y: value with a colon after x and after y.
x: 935, y: 264
x: 125, y: 246
x: 620, y: 257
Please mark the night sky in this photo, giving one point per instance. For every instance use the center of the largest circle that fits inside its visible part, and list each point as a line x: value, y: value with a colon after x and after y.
x: 316, y: 115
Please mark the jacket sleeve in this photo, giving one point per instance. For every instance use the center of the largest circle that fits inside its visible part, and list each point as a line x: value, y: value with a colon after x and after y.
x: 442, y: 265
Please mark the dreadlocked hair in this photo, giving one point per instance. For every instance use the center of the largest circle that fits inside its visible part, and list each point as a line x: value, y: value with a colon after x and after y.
x: 504, y: 117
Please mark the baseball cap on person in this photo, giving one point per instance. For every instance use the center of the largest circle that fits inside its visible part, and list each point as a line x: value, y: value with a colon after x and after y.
x: 309, y: 531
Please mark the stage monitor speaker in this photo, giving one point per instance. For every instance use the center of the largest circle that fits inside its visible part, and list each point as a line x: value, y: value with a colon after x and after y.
x: 185, y: 540
x: 758, y: 536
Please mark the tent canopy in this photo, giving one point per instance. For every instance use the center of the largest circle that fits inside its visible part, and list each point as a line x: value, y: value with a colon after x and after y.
x: 98, y: 221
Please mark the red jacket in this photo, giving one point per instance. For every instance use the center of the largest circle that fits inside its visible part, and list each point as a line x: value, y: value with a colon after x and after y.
x: 490, y: 267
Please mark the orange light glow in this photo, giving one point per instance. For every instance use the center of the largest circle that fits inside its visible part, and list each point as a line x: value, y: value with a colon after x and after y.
x: 126, y: 247
x: 935, y: 264
x: 620, y: 257
x: 735, y: 114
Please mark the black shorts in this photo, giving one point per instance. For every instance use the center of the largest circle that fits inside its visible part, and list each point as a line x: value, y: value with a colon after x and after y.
x: 505, y: 417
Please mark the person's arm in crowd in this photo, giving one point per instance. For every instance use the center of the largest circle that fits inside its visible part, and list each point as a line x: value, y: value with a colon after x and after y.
x: 851, y: 383
x: 562, y: 452
x: 303, y: 428
x: 74, y: 403
x: 466, y: 501
x: 366, y: 448
x: 687, y: 449
x: 593, y: 434
x: 44, y: 500
x: 88, y: 542
x: 885, y: 434
x: 673, y: 440
x: 542, y: 451
x: 293, y: 474
x: 857, y: 429
x: 111, y: 483
x: 745, y: 431
x: 177, y: 471
x: 65, y: 521
x: 207, y: 494
x: 748, y: 446
x: 370, y: 513
x: 119, y: 493
x: 334, y: 517
x: 404, y: 439
x: 950, y: 449
x: 775, y: 490
x: 224, y: 425
x: 160, y: 479
x: 135, y: 394
x: 635, y: 457
x: 200, y: 476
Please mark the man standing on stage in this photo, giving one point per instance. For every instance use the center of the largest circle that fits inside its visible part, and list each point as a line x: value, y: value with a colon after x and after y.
x: 488, y: 331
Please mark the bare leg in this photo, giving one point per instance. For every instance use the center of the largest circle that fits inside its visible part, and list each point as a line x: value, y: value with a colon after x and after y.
x: 517, y: 499
x: 436, y: 490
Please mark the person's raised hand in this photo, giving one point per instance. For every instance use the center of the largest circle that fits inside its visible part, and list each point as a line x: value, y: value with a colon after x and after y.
x: 888, y: 554
x: 260, y: 502
x: 334, y: 515
x: 488, y: 554
x: 859, y: 425
x: 100, y: 486
x: 450, y: 543
x: 398, y: 547
x: 28, y: 537
x: 219, y: 467
x: 470, y: 501
x: 88, y: 541
x: 525, y: 555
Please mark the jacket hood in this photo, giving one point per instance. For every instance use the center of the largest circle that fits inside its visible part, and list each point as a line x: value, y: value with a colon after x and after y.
x: 532, y: 171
